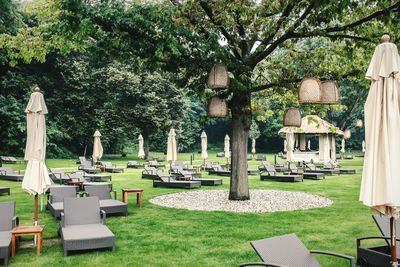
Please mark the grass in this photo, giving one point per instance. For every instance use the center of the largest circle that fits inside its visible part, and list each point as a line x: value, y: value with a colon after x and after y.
x: 159, y: 236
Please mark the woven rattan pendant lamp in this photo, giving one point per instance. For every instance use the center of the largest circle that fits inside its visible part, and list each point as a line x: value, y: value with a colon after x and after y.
x: 330, y: 92
x: 218, y: 77
x: 292, y: 117
x: 217, y: 107
x: 359, y: 123
x: 310, y: 91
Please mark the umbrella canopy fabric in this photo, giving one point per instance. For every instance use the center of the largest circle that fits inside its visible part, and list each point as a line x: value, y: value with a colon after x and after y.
x: 253, y: 146
x: 380, y: 179
x: 141, y: 153
x: 171, y: 146
x: 333, y: 149
x: 203, y: 137
x: 363, y: 146
x: 227, y: 149
x: 343, y: 149
x: 97, y: 147
x: 285, y: 145
x: 36, y: 179
x: 289, y: 146
x: 324, y: 148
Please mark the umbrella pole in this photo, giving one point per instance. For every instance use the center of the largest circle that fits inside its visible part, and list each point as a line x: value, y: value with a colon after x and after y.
x: 35, y: 211
x: 393, y: 241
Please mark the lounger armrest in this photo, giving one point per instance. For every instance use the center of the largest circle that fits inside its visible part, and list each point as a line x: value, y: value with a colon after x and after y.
x: 114, y: 193
x: 15, y: 221
x: 386, y: 238
x: 103, y: 216
x: 266, y: 264
x: 62, y: 221
x: 334, y: 254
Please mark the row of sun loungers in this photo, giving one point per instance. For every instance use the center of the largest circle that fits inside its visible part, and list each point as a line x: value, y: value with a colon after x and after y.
x: 9, y: 174
x: 10, y: 160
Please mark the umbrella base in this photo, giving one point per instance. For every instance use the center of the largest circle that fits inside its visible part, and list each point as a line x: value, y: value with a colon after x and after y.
x: 374, y: 257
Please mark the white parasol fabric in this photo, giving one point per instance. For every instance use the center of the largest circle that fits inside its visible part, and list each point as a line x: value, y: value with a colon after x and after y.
x: 380, y: 179
x: 227, y: 147
x: 36, y: 179
x: 285, y: 145
x: 289, y: 146
x: 171, y: 146
x: 343, y: 149
x: 253, y: 146
x: 97, y: 147
x: 203, y: 137
x: 363, y: 146
x: 324, y: 148
x: 141, y: 153
x: 333, y: 149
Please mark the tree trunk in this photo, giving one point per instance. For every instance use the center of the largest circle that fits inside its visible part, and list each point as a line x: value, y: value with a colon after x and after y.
x: 241, y: 121
x: 146, y: 144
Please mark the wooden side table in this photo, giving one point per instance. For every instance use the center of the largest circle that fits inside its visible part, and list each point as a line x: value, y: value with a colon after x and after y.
x: 137, y: 191
x: 25, y: 231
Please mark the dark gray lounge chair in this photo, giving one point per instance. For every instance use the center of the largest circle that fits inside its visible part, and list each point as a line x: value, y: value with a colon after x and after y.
x: 263, y: 166
x: 155, y: 164
x: 149, y: 173
x: 55, y: 202
x: 107, y: 203
x: 4, y: 190
x: 378, y: 255
x: 249, y: 157
x: 310, y: 167
x: 271, y: 174
x: 281, y: 167
x: 330, y: 166
x: 83, y: 225
x: 10, y: 160
x: 289, y: 251
x: 209, y: 181
x: 208, y: 166
x: 87, y: 166
x: 219, y: 170
x: 108, y: 167
x: 171, y: 182
x: 10, y: 175
x: 221, y: 154
x: 58, y: 176
x: 293, y: 169
x: 180, y: 172
x: 8, y: 221
x: 134, y: 164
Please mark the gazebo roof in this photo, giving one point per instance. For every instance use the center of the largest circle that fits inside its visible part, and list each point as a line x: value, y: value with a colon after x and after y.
x: 312, y: 124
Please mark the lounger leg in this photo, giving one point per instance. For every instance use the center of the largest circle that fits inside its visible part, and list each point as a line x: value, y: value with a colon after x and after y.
x: 113, y: 248
x: 65, y: 252
x: 6, y: 261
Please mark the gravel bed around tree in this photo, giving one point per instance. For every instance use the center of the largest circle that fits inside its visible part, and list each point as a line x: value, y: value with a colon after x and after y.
x: 260, y: 201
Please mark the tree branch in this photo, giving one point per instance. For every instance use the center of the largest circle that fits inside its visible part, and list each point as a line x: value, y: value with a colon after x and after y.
x: 270, y: 85
x: 242, y: 34
x: 230, y: 39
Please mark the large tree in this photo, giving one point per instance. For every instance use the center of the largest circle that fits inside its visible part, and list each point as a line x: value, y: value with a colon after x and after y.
x: 257, y: 34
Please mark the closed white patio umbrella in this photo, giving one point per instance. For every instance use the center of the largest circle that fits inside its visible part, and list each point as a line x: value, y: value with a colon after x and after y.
x: 253, y: 146
x: 227, y: 147
x: 36, y: 179
x: 171, y: 146
x: 97, y: 147
x: 285, y: 145
x: 289, y: 146
x: 204, y: 154
x: 380, y: 180
x: 343, y: 149
x: 141, y: 153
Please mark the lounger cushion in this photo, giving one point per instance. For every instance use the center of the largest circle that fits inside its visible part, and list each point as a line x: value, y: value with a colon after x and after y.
x: 86, y: 231
x: 5, y: 239
x: 107, y: 203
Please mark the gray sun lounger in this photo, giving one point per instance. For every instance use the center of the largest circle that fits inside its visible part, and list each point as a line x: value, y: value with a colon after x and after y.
x: 83, y: 225
x: 180, y: 172
x: 293, y: 169
x: 10, y: 175
x: 155, y: 164
x: 330, y: 166
x: 169, y: 181
x: 209, y: 181
x: 107, y: 203
x: 55, y: 202
x: 289, y: 251
x: 263, y: 166
x: 8, y: 221
x: 219, y: 170
x: 87, y: 166
x: 4, y: 190
x: 261, y: 157
x: 378, y: 255
x: 149, y: 173
x: 97, y: 177
x: 309, y: 167
x: 134, y: 164
x: 108, y: 167
x: 58, y: 176
x: 273, y: 175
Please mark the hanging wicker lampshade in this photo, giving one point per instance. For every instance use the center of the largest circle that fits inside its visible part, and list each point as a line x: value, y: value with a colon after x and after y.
x: 347, y: 134
x: 217, y: 107
x: 218, y: 77
x: 292, y: 117
x: 359, y: 123
x: 310, y: 90
x: 330, y: 92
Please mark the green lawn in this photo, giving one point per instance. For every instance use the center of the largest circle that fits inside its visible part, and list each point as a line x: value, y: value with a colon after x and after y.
x: 159, y: 236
